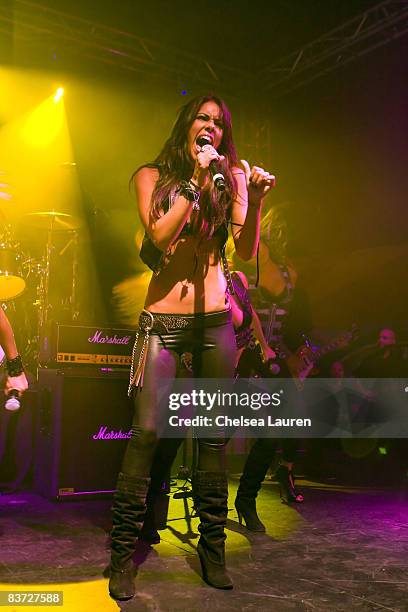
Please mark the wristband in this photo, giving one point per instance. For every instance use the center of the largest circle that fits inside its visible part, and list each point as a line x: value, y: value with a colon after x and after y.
x: 14, y: 366
x: 190, y: 193
x: 194, y: 185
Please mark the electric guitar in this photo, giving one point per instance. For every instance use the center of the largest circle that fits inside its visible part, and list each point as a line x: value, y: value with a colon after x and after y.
x: 297, y: 365
x: 303, y: 362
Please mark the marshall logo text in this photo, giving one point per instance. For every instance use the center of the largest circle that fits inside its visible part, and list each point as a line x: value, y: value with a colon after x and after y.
x: 104, y: 434
x: 100, y: 338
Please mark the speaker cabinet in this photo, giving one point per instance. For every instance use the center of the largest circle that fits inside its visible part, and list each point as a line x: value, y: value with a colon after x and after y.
x: 83, y: 427
x: 17, y: 438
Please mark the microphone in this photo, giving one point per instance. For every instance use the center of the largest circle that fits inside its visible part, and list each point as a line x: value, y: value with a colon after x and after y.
x: 215, y: 169
x: 273, y: 367
x: 12, y: 402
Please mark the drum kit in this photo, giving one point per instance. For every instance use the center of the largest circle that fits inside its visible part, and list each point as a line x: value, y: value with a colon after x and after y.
x: 24, y: 275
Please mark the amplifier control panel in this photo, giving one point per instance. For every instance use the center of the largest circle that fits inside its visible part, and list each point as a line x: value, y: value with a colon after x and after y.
x: 92, y: 358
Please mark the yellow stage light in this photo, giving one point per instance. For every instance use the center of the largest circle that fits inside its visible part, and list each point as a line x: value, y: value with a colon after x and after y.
x: 44, y: 124
x: 58, y: 94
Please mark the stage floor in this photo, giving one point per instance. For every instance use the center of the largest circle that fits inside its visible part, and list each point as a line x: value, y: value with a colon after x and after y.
x: 345, y: 548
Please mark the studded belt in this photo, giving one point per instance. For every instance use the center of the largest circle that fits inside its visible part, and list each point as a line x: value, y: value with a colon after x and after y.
x: 163, y: 323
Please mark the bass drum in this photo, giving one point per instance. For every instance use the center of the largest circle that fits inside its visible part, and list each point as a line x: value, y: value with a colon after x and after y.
x: 12, y: 282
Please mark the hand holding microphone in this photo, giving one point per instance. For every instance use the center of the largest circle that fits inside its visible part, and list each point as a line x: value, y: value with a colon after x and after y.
x: 214, y: 165
x: 16, y: 383
x: 12, y: 402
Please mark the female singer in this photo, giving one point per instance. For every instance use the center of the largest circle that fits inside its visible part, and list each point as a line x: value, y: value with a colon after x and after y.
x: 186, y: 218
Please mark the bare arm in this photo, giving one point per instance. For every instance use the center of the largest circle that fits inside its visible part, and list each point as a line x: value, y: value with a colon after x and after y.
x: 165, y: 230
x: 7, y: 337
x: 8, y: 343
x: 267, y: 352
x: 252, y: 187
x: 245, y: 228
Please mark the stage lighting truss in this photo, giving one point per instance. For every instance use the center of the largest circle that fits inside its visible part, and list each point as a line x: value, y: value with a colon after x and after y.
x: 38, y: 27
x: 374, y: 28
x: 41, y: 27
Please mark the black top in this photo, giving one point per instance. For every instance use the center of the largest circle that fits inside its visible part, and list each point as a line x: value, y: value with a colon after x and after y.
x: 154, y: 258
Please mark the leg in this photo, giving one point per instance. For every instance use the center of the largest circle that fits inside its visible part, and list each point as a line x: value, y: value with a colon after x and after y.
x: 284, y: 473
x: 210, y: 482
x: 256, y: 466
x: 166, y: 452
x: 211, y: 499
x: 129, y: 505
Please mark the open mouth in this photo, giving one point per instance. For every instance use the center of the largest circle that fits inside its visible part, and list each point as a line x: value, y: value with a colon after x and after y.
x: 204, y: 139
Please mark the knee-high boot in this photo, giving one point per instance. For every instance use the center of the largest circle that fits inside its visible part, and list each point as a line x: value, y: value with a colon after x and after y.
x: 254, y: 473
x: 129, y: 507
x: 160, y: 471
x: 149, y: 533
x: 211, y: 499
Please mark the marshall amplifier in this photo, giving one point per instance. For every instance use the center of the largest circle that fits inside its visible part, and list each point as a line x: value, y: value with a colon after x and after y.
x: 83, y: 425
x: 68, y: 345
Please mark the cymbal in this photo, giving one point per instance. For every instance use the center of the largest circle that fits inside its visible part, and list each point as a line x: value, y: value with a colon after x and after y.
x: 52, y: 220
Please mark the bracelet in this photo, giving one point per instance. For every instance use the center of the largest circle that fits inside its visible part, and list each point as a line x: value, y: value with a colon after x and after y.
x: 190, y: 193
x: 194, y: 185
x: 14, y: 366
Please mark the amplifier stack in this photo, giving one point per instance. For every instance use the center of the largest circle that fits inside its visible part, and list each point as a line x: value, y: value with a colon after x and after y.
x: 84, y: 413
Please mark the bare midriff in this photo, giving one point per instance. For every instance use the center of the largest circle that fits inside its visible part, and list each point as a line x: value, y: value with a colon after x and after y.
x: 190, y: 284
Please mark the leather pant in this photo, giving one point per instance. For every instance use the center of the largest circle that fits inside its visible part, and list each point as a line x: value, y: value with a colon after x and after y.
x: 210, y: 344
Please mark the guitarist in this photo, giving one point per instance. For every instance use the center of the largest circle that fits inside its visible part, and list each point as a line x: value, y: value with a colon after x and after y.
x: 15, y: 377
x: 284, y: 313
x: 246, y: 322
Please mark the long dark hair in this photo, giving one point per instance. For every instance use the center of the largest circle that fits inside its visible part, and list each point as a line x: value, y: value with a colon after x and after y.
x: 175, y: 164
x: 274, y: 232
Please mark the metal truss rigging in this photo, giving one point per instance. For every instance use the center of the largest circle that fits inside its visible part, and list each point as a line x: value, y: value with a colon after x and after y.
x: 37, y: 28
x: 375, y: 27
